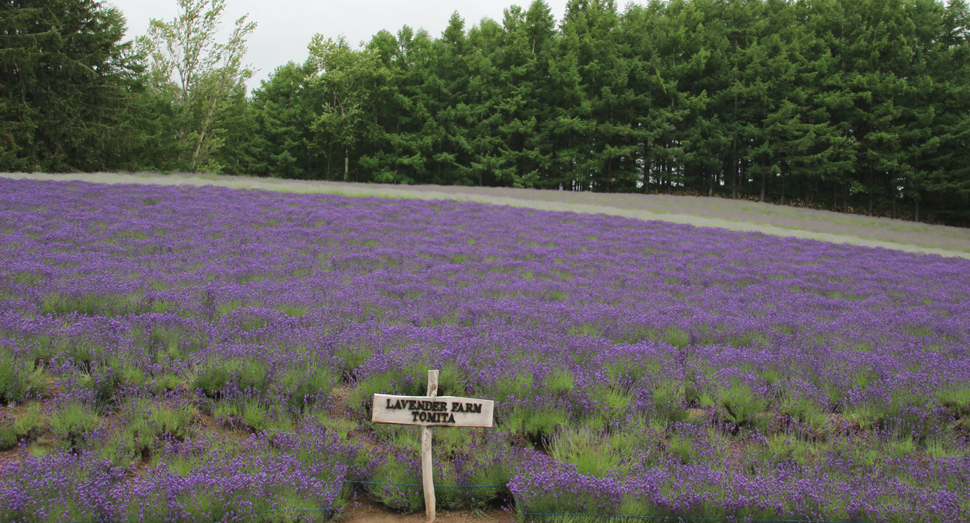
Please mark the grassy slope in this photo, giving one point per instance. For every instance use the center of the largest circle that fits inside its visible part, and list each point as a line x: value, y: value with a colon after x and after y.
x: 702, y: 212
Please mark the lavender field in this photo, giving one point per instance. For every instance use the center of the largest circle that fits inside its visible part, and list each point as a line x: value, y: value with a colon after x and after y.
x: 208, y: 354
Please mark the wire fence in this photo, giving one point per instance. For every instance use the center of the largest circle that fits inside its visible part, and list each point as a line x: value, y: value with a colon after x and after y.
x: 681, y: 518
x: 547, y: 514
x: 419, y: 484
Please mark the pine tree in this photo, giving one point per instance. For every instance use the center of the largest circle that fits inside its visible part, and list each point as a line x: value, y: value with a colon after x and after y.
x: 67, y: 85
x: 284, y: 109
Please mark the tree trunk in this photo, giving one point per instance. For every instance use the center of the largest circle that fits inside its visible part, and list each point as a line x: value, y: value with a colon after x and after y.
x: 869, y: 194
x: 346, y: 161
x: 205, y: 127
x: 916, y: 219
x: 762, y: 199
x: 737, y: 162
x: 783, y: 180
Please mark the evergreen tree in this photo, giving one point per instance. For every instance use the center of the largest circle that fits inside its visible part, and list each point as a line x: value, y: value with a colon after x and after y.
x: 68, y: 85
x: 284, y: 109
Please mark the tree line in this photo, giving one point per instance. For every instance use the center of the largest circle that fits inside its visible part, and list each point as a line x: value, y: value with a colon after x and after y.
x: 849, y: 105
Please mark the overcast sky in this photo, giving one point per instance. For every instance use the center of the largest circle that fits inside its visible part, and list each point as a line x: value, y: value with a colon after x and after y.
x: 284, y: 27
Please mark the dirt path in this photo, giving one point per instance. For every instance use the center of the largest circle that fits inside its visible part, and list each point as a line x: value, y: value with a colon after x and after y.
x: 738, y: 215
x: 365, y: 511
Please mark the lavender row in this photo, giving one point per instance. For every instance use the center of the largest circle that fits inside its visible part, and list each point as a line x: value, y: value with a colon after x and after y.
x: 192, y: 480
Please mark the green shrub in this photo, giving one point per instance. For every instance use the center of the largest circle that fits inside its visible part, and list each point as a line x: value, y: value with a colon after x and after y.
x: 147, y: 420
x: 104, y: 383
x: 254, y: 415
x: 244, y: 374
x: 517, y: 385
x: 668, y: 400
x: 682, y: 448
x: 254, y: 375
x: 132, y: 375
x: 212, y: 379
x: 560, y: 382
x: 401, y: 437
x: 18, y: 379
x: 739, y: 403
x: 353, y: 358
x: 956, y: 399
x: 166, y: 382
x: 405, y: 380
x: 396, y: 469
x: 803, y: 409
x: 676, y: 337
x: 8, y: 435
x: 29, y: 423
x: 303, y: 387
x: 493, y: 466
x: 73, y: 422
x: 593, y: 452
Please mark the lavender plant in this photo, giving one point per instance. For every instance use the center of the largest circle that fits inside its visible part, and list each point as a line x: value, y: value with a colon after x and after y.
x: 219, y: 331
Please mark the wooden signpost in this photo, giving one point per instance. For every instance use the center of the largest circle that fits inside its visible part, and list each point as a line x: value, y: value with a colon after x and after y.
x: 431, y: 411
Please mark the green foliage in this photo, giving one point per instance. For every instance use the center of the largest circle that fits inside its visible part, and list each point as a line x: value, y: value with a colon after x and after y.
x: 594, y: 452
x: 212, y: 379
x: 803, y: 409
x: 8, y: 436
x: 739, y: 403
x: 395, y: 469
x: 668, y: 400
x: 18, y: 379
x: 147, y: 420
x: 534, y: 424
x: 355, y: 81
x: 104, y: 382
x: 304, y: 386
x: 560, y: 382
x: 199, y: 77
x: 956, y: 398
x: 28, y: 424
x: 783, y: 448
x: 243, y: 374
x: 506, y: 386
x: 353, y: 357
x: 254, y: 415
x: 855, y: 107
x: 682, y: 447
x: 67, y: 80
x: 73, y: 422
x: 677, y: 337
x: 341, y: 426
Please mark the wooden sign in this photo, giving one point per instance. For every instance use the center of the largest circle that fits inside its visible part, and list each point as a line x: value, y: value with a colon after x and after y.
x: 431, y: 411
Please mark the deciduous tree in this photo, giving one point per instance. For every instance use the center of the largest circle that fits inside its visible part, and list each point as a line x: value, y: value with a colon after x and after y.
x: 198, y: 74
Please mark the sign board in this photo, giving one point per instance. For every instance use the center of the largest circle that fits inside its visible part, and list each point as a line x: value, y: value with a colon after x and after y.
x: 438, y: 411
x: 431, y: 411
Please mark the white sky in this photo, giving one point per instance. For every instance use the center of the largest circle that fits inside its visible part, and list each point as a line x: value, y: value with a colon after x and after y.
x: 284, y: 27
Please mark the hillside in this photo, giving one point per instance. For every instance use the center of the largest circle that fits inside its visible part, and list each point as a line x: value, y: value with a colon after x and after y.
x: 722, y: 213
